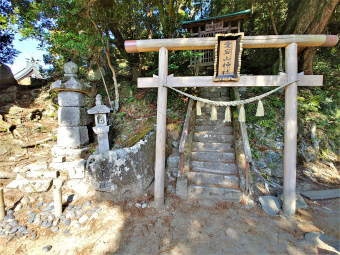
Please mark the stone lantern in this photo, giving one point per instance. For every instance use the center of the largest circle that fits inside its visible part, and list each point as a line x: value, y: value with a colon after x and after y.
x: 101, y: 129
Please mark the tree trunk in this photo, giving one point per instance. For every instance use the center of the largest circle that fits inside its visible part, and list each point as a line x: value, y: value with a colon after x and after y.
x: 309, y: 17
x: 114, y: 77
x: 276, y: 32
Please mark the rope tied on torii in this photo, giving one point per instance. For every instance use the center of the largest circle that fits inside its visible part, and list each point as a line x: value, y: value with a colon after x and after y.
x: 227, y: 116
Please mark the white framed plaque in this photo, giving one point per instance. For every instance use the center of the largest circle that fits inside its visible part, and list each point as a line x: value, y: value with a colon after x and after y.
x: 228, y: 51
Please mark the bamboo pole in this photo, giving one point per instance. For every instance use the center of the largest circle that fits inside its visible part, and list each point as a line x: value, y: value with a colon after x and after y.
x: 2, y: 204
x: 290, y: 132
x: 161, y: 128
x: 57, y: 197
x: 263, y: 41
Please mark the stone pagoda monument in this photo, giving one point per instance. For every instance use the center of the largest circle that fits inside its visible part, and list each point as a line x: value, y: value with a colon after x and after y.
x: 72, y: 135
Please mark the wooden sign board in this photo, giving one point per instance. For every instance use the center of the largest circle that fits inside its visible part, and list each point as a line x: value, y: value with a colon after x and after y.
x: 228, y: 51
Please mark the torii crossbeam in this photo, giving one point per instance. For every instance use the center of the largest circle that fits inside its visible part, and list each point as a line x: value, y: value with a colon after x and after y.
x: 163, y: 80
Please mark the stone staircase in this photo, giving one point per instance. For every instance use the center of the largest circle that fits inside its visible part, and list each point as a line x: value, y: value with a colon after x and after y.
x: 213, y: 171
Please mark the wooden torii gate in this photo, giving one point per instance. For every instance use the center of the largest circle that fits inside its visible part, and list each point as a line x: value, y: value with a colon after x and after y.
x: 163, y: 80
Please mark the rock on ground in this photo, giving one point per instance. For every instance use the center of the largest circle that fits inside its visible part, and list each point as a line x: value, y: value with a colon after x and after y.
x: 30, y: 186
x: 270, y: 204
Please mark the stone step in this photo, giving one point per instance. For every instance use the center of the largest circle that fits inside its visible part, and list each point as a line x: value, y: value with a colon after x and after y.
x: 206, y: 114
x: 215, y: 97
x: 214, y: 193
x: 221, y: 127
x: 220, y: 91
x: 211, y: 137
x: 212, y: 130
x: 173, y: 160
x: 174, y: 172
x: 214, y: 167
x: 218, y: 147
x: 219, y: 98
x: 207, y: 111
x: 216, y: 180
x: 213, y: 89
x: 205, y: 121
x: 213, y: 156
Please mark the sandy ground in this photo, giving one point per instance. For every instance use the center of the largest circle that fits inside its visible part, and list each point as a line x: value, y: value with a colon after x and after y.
x: 186, y: 228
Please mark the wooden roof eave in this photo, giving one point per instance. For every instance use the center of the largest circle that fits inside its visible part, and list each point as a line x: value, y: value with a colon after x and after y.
x: 203, y: 22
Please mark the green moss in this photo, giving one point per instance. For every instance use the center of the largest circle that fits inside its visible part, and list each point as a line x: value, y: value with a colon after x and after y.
x: 137, y: 137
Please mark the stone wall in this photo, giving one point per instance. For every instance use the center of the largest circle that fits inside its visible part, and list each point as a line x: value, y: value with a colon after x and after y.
x: 123, y: 173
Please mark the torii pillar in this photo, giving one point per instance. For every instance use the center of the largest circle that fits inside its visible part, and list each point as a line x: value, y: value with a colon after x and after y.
x: 161, y: 128
x: 290, y: 132
x: 290, y: 42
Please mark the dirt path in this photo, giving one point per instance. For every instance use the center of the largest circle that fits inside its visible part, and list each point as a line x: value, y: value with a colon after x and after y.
x: 184, y: 228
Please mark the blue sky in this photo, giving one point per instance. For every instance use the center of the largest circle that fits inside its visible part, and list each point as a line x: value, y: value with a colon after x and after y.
x: 28, y: 48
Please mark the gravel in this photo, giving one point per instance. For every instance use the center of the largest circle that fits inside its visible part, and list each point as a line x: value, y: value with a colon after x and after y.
x: 55, y: 222
x: 40, y: 204
x: 50, y: 217
x: 47, y: 248
x: 9, y: 217
x: 31, y: 217
x: 33, y: 235
x: 37, y: 220
x: 22, y: 229
x: 18, y: 207
x: 87, y: 203
x: 13, y: 223
x: 67, y: 232
x: 70, y: 214
x: 75, y: 224
x: 67, y: 222
x: 13, y: 230
x: 83, y: 219
x: 49, y: 224
x: 55, y: 229
x: 25, y: 200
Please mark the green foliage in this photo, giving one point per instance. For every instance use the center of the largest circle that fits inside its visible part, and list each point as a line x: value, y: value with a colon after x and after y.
x: 7, y: 19
x: 120, y: 115
x: 128, y: 100
x: 316, y: 105
x: 86, y: 31
x: 320, y: 105
x: 80, y: 30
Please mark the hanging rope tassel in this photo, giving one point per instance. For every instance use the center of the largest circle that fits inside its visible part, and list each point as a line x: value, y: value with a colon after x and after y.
x: 213, y: 113
x: 199, y: 108
x: 242, y: 114
x: 227, y: 114
x: 260, y: 109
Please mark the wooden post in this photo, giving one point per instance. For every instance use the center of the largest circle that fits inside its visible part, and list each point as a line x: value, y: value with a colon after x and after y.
x: 290, y: 132
x: 161, y: 128
x: 57, y: 197
x: 2, y: 204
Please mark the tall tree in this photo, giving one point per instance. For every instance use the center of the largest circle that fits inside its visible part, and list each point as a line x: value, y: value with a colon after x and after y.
x: 7, y: 17
x: 309, y: 17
